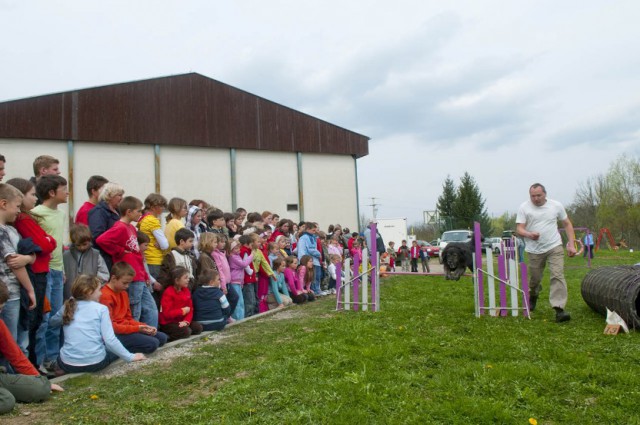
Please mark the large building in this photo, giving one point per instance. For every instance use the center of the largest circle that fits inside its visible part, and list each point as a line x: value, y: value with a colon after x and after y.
x: 194, y: 137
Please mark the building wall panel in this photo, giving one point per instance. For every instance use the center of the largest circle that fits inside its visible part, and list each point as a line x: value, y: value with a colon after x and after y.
x: 131, y: 166
x: 267, y: 181
x: 21, y: 153
x: 329, y: 184
x: 196, y: 173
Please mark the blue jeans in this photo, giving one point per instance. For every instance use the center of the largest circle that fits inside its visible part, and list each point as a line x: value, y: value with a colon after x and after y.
x: 238, y: 313
x: 141, y: 343
x: 143, y: 306
x: 10, y: 315
x: 317, y: 278
x: 55, y: 286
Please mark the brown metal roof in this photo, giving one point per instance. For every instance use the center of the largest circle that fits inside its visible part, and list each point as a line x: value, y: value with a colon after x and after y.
x: 188, y: 109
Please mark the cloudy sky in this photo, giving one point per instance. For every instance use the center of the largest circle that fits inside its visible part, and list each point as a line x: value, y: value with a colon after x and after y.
x: 510, y: 91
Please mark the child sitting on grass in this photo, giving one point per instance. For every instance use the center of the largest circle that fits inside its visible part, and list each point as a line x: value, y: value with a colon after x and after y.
x: 305, y: 275
x: 176, y: 312
x: 134, y: 335
x: 278, y: 292
x: 296, y: 289
x: 26, y: 385
x: 211, y: 308
x: 90, y: 344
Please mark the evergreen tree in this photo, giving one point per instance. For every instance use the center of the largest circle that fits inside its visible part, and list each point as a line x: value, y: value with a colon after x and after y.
x: 469, y: 206
x: 445, y: 204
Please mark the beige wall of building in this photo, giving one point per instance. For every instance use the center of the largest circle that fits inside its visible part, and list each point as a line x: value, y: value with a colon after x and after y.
x: 264, y: 180
x: 267, y: 181
x: 21, y: 153
x: 131, y: 166
x: 196, y: 173
x: 329, y: 184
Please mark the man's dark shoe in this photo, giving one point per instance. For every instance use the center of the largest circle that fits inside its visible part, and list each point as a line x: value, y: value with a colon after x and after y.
x: 561, y: 315
x: 533, y: 300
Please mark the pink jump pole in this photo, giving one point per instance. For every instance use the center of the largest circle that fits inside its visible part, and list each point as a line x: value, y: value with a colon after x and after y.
x: 356, y: 283
x: 525, y: 288
x: 373, y: 259
x: 502, y: 274
x: 478, y: 250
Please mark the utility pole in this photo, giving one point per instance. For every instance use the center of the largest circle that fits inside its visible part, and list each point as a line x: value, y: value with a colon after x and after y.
x: 374, y: 207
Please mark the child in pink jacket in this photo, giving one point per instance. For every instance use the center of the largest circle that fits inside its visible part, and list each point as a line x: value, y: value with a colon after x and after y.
x: 236, y: 273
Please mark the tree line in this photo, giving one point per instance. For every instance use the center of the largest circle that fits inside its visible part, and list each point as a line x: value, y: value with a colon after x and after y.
x: 458, y: 207
x: 611, y: 200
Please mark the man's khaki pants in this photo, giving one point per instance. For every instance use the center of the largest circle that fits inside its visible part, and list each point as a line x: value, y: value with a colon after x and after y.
x: 558, y: 285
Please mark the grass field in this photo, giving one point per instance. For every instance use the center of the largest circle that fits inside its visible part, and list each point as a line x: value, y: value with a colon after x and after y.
x: 423, y: 359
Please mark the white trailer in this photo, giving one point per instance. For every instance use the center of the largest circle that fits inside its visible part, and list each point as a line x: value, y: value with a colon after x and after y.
x: 392, y: 229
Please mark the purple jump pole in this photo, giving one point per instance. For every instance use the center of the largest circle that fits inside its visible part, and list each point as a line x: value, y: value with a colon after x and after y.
x: 478, y: 249
x: 502, y: 274
x: 373, y: 259
x: 339, y: 286
x: 356, y: 283
x: 525, y: 288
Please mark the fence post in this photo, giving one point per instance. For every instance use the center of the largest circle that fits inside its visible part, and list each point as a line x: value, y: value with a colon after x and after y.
x: 338, y: 286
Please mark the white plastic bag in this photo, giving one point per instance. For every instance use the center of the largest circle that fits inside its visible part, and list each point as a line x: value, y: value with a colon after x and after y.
x: 614, y: 318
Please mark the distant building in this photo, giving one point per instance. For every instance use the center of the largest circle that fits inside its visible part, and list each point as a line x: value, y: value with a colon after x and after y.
x: 194, y: 137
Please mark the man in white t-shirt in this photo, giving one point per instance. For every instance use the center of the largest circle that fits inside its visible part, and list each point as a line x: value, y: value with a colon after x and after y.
x: 537, y: 221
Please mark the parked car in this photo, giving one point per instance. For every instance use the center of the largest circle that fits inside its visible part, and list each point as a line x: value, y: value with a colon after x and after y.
x: 433, y: 251
x: 454, y: 236
x: 507, y: 234
x: 494, y: 243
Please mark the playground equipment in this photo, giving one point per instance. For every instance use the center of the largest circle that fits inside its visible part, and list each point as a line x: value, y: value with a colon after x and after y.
x: 616, y: 288
x: 607, y: 233
x: 511, y: 273
x: 353, y: 289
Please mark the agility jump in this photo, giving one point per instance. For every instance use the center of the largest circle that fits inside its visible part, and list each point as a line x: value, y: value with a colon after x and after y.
x: 508, y: 267
x: 353, y: 289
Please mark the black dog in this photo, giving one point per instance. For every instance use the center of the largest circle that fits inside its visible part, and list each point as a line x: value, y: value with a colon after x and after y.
x: 456, y: 257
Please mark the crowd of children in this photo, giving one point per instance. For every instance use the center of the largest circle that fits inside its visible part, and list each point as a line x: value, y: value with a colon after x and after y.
x: 406, y: 255
x: 127, y: 284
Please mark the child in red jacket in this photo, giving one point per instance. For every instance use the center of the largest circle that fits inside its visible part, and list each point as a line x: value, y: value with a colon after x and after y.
x: 176, y: 307
x: 121, y: 242
x: 250, y: 277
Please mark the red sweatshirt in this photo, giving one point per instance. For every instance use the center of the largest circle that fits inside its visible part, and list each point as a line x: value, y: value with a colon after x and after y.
x: 253, y: 278
x: 172, y: 304
x: 10, y: 351
x: 29, y: 228
x: 82, y: 216
x: 121, y: 242
x: 119, y: 311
